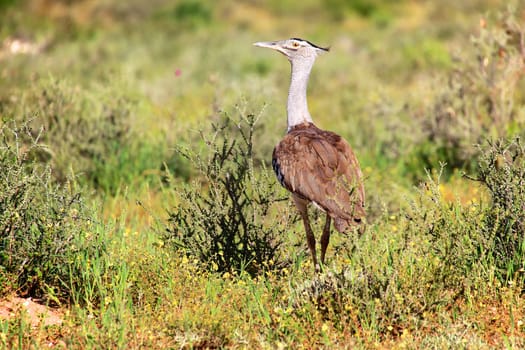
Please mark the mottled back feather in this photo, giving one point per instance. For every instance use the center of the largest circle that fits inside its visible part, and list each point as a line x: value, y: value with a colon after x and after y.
x: 320, y: 166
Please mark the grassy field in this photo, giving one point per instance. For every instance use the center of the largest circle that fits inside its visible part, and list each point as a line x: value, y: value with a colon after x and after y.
x: 138, y: 208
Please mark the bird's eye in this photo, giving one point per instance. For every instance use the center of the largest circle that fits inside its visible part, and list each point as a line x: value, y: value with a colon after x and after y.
x: 295, y: 44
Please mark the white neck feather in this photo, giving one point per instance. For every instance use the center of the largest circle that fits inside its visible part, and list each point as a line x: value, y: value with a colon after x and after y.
x: 297, y: 107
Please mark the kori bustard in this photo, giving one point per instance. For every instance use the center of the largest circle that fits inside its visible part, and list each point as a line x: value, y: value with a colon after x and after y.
x: 315, y: 165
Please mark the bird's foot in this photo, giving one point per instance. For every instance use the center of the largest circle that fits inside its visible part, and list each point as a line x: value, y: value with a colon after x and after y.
x: 318, y: 268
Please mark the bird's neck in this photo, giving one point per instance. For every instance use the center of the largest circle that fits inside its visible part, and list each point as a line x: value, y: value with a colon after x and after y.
x: 297, y: 107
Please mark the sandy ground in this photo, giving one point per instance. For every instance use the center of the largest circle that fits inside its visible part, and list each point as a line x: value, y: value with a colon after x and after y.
x: 37, y: 314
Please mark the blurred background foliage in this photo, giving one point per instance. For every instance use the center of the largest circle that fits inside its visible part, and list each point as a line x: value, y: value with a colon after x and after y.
x: 124, y: 78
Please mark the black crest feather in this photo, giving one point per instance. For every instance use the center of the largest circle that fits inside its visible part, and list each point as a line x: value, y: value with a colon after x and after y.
x: 312, y: 44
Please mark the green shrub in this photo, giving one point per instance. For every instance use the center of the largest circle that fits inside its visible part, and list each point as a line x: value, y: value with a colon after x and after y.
x: 192, y: 13
x: 453, y: 236
x: 227, y: 217
x: 190, y: 9
x: 502, y: 170
x: 480, y: 99
x: 45, y: 228
x: 83, y: 129
x: 7, y: 3
x: 375, y: 9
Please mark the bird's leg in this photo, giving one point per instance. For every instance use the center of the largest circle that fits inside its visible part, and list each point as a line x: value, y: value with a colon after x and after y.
x: 325, y: 238
x: 302, y: 207
x: 310, y: 238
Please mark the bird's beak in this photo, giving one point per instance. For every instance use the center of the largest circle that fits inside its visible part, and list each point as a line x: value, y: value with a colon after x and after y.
x: 275, y: 45
x: 267, y: 44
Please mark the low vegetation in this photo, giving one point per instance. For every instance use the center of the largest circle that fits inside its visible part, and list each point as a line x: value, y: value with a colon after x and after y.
x: 138, y: 205
x: 232, y: 224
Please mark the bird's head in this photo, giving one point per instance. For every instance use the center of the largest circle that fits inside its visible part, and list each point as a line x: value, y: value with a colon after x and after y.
x: 294, y: 48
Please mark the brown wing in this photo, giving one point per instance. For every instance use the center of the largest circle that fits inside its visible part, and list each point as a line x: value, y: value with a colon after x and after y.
x: 321, y: 167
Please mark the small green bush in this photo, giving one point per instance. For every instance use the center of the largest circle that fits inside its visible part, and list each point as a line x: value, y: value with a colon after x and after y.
x: 502, y: 171
x: 45, y: 228
x: 7, y: 3
x: 192, y: 13
x: 480, y: 98
x: 82, y: 129
x: 377, y: 10
x: 227, y: 217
